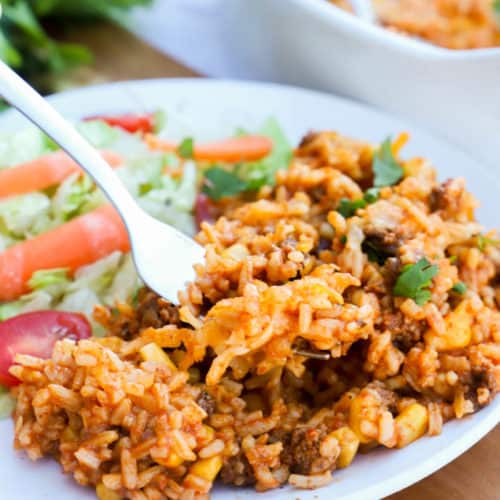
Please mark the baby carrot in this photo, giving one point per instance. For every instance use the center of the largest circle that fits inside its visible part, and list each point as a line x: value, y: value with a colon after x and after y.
x: 43, y: 172
x: 81, y: 241
x: 234, y: 149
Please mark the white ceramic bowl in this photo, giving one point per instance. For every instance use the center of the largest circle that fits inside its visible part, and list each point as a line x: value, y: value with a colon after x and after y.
x: 314, y: 44
x: 215, y: 108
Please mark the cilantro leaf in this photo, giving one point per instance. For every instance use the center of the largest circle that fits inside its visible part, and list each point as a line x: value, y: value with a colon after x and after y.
x: 386, y: 169
x: 218, y: 183
x: 186, y: 148
x: 347, y: 207
x: 496, y: 7
x: 414, y: 281
x: 460, y: 288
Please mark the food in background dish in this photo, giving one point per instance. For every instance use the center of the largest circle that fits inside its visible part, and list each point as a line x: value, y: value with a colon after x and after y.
x: 348, y: 301
x: 453, y: 24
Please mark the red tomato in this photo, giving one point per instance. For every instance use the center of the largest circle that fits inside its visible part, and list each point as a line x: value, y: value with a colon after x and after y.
x: 35, y: 333
x: 130, y: 122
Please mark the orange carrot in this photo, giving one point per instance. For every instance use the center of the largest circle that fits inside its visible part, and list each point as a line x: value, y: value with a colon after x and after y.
x: 245, y: 148
x: 43, y: 172
x: 81, y: 241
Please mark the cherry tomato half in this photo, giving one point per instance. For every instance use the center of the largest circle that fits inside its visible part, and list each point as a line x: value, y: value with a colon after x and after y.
x: 130, y: 122
x: 35, y: 333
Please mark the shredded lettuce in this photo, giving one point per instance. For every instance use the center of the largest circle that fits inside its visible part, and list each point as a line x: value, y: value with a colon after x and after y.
x: 23, y: 146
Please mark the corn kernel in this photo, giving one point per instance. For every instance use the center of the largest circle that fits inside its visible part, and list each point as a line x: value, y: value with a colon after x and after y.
x: 349, y: 444
x: 208, y: 468
x: 458, y: 332
x: 104, y: 493
x: 152, y: 352
x: 411, y: 424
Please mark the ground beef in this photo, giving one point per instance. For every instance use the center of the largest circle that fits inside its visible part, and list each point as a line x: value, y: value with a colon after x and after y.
x: 152, y: 311
x: 380, y: 244
x: 206, y: 402
x: 481, y: 378
x: 236, y: 470
x: 405, y: 332
x: 302, y: 454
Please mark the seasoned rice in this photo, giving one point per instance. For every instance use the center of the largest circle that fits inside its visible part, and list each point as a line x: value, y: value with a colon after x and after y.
x: 454, y: 24
x: 290, y: 352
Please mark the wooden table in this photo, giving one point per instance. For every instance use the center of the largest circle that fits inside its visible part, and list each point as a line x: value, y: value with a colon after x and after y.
x: 120, y: 56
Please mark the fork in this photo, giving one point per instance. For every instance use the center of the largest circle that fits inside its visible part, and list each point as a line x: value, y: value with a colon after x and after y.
x: 163, y: 256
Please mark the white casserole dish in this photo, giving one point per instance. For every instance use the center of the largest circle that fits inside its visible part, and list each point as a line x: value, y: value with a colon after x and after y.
x: 312, y: 43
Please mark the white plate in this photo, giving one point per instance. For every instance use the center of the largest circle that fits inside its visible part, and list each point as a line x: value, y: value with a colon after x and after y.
x: 215, y: 108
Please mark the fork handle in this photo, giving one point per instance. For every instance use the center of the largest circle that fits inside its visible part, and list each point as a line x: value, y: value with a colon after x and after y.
x: 32, y: 105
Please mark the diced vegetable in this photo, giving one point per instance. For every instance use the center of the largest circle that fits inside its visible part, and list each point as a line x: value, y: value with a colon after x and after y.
x: 349, y: 444
x: 411, y: 424
x: 152, y: 352
x: 207, y: 468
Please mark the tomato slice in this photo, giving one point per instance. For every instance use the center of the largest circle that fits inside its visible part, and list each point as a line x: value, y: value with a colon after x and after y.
x: 35, y: 333
x: 130, y: 122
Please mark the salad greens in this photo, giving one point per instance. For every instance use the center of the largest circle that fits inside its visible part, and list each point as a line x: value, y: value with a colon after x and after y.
x: 250, y: 176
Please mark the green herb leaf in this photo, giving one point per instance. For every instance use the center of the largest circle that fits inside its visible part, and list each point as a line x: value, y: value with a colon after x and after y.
x: 386, y: 169
x: 347, y: 207
x: 371, y: 195
x: 460, y: 288
x: 414, y: 281
x: 452, y: 259
x: 496, y: 7
x: 186, y: 148
x: 483, y: 242
x: 219, y: 183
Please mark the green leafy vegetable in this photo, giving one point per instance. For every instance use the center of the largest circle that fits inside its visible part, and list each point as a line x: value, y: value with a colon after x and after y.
x: 219, y: 183
x: 453, y: 259
x: 27, y: 46
x: 347, y: 207
x: 460, y: 288
x: 186, y: 148
x: 414, y: 281
x: 263, y: 172
x: 496, y: 7
x: 386, y: 169
x: 250, y: 176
